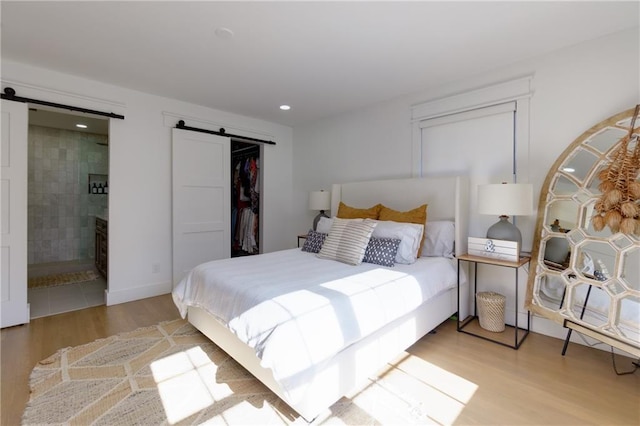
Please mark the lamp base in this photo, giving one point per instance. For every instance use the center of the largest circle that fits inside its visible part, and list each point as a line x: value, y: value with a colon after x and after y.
x: 505, y: 230
x: 317, y: 219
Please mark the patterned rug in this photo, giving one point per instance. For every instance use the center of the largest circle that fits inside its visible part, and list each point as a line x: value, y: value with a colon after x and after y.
x: 171, y: 374
x: 61, y: 279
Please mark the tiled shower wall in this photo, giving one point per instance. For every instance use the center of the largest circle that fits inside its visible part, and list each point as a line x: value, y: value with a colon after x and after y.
x: 61, y: 212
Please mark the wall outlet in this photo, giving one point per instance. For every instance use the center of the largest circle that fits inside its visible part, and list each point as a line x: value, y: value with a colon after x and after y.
x: 155, y: 268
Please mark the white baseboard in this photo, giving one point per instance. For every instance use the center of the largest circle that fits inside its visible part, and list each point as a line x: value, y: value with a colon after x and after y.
x: 130, y: 294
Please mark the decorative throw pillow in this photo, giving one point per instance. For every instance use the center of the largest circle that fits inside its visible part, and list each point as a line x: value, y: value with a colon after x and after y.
x: 347, y: 212
x: 347, y: 241
x: 409, y: 234
x: 314, y: 241
x: 324, y: 225
x: 382, y: 251
x: 417, y: 215
x: 439, y: 239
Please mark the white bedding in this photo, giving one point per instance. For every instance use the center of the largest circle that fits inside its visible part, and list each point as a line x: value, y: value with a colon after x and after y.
x: 297, y: 311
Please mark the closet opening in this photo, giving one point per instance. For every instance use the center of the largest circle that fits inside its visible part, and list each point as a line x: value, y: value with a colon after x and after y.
x: 67, y: 208
x: 246, y: 199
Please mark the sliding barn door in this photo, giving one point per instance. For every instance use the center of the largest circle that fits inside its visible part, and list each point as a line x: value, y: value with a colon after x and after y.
x: 13, y: 219
x: 201, y: 200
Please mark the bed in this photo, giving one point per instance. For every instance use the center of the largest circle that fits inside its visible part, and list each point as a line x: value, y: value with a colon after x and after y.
x: 311, y: 329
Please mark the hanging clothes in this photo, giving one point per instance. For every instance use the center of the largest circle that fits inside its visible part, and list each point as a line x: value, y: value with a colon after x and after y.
x: 245, y: 200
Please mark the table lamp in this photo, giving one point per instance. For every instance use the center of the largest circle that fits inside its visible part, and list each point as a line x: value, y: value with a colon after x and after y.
x: 505, y: 199
x: 319, y: 200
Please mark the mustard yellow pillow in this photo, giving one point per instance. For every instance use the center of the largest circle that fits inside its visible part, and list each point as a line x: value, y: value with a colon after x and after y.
x: 347, y: 212
x: 417, y: 215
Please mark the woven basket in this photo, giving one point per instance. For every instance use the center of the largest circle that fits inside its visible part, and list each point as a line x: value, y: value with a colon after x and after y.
x: 491, y: 310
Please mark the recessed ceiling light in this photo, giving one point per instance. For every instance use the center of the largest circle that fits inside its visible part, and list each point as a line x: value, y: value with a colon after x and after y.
x: 224, y: 33
x: 82, y: 126
x: 569, y: 169
x: 285, y: 107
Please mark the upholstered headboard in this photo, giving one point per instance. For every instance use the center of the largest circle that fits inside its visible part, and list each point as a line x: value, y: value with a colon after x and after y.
x: 447, y: 198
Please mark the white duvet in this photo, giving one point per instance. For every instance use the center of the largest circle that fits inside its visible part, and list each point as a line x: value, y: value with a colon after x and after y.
x: 297, y: 310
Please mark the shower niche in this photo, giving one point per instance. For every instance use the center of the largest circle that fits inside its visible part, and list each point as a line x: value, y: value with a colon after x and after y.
x: 98, y: 183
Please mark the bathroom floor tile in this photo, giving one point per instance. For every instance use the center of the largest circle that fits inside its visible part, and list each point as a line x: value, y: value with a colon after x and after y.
x: 73, y: 303
x: 64, y: 298
x: 95, y: 298
x: 65, y: 291
x: 95, y: 285
x: 37, y: 293
x: 39, y: 307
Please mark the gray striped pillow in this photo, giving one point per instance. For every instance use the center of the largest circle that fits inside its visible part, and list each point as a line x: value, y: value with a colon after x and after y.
x: 347, y: 240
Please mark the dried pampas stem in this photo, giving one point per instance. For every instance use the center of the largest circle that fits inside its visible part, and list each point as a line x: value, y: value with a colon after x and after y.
x: 603, y: 174
x: 613, y: 219
x: 634, y: 189
x: 629, y: 209
x: 628, y: 226
x: 606, y: 186
x: 618, y: 206
x: 598, y: 222
x: 612, y: 197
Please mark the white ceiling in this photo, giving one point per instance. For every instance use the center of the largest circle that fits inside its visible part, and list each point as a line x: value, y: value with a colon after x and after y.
x: 322, y: 58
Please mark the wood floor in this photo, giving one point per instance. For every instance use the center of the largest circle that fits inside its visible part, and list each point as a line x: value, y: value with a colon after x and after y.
x: 488, y: 383
x: 23, y: 346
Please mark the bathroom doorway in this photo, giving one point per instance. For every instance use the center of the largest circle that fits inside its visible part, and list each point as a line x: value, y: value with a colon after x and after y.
x: 68, y: 195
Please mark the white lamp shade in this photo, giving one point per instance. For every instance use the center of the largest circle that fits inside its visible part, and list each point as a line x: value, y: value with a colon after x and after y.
x: 509, y: 199
x: 319, y: 200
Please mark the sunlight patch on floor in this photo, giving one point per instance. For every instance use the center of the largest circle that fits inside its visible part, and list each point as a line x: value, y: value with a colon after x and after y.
x: 411, y: 390
x: 450, y: 384
x: 186, y: 383
x: 426, y: 392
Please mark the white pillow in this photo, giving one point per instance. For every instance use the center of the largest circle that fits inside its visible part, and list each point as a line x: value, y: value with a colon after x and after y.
x: 324, y: 225
x: 409, y: 234
x: 347, y: 240
x: 439, y: 240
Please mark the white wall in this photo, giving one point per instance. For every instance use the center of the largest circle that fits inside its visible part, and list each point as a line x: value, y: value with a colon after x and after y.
x: 140, y: 172
x: 574, y: 88
x: 371, y: 143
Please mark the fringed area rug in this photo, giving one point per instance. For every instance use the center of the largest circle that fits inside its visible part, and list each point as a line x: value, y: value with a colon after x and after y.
x: 61, y: 279
x: 172, y: 374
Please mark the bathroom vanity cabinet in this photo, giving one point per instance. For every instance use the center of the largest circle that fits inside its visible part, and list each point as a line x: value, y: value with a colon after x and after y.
x: 102, y: 248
